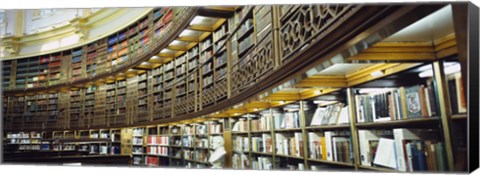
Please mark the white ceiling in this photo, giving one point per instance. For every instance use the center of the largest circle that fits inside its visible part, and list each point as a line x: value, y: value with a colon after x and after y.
x: 343, y: 69
x: 435, y: 26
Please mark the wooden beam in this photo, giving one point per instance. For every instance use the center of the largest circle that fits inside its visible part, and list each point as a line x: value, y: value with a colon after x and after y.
x: 178, y: 48
x: 188, y: 39
x: 282, y: 96
x: 322, y: 81
x: 386, y: 72
x: 316, y: 92
x: 201, y: 28
x: 394, y: 56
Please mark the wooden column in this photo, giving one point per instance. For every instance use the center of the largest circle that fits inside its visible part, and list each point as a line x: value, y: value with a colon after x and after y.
x: 445, y: 110
x: 353, y: 128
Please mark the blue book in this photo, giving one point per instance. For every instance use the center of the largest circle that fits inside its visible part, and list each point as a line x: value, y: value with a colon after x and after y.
x: 422, y: 165
x: 415, y: 156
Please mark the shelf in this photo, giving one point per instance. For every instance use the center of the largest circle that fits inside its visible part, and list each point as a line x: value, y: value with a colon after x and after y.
x: 267, y: 154
x: 288, y: 129
x: 239, y: 132
x: 288, y: 156
x: 398, y: 123
x: 332, y: 162
x: 265, y: 131
x: 377, y: 168
x: 459, y: 117
x: 245, y: 34
x: 328, y: 127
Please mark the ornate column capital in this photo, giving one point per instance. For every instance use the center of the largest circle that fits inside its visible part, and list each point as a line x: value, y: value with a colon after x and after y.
x: 79, y: 26
x: 11, y: 44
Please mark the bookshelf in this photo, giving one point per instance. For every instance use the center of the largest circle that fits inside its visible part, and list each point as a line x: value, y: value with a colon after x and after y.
x: 157, y: 81
x: 234, y: 58
x: 138, y: 146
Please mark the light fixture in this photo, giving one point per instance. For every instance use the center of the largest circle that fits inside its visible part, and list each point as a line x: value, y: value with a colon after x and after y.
x: 449, y: 69
x: 255, y: 109
x: 282, y: 102
x: 377, y: 73
x: 197, y: 20
x: 175, y: 42
x: 374, y: 90
x: 317, y: 92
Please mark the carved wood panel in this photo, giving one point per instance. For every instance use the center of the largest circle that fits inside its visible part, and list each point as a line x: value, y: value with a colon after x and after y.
x: 299, y: 25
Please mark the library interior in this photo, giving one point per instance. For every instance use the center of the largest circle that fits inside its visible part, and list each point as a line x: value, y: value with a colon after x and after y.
x: 313, y: 87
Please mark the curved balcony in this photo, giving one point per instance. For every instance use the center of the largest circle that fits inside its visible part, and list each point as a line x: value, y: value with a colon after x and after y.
x: 232, y: 66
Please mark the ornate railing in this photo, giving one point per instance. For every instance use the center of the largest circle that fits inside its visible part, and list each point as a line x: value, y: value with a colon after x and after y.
x: 299, y: 25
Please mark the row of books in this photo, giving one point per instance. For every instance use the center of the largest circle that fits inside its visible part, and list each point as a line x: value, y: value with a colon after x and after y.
x: 262, y: 144
x: 403, y: 149
x: 396, y: 104
x: 157, y: 150
x: 287, y: 120
x: 331, y: 146
x: 335, y: 114
x: 289, y: 144
x: 158, y: 140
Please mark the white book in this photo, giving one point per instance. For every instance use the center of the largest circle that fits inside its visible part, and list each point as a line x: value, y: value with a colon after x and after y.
x: 364, y: 136
x: 279, y: 143
x: 312, y: 138
x: 427, y: 100
x: 328, y: 144
x: 278, y: 120
x: 334, y: 146
x: 409, y: 155
x: 301, y: 166
x: 385, y: 154
x: 458, y: 81
x: 317, y: 116
x: 298, y: 142
x: 359, y: 109
x: 344, y: 116
x: 400, y: 135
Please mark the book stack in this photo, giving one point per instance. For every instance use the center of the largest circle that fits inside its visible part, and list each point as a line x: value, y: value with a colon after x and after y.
x: 335, y: 114
x: 152, y: 161
x: 417, y: 101
x: 410, y: 150
x: 157, y: 140
x: 240, y: 143
x: 287, y: 120
x: 331, y: 146
x: 241, y: 125
x: 215, y: 128
x: 261, y: 124
x: 240, y: 162
x: 201, y: 129
x: 202, y: 143
x: 287, y: 144
x: 201, y: 155
x: 262, y: 163
x: 157, y: 150
x: 456, y: 91
x: 262, y: 144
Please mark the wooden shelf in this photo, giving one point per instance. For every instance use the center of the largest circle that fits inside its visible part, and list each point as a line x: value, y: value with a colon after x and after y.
x: 399, y: 123
x: 267, y: 154
x: 327, y: 127
x: 377, y: 168
x: 288, y: 156
x: 331, y: 162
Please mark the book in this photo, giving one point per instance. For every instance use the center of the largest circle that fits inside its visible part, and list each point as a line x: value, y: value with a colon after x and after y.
x: 412, y: 96
x: 364, y: 137
x: 385, y: 154
x: 402, y: 136
x: 318, y: 116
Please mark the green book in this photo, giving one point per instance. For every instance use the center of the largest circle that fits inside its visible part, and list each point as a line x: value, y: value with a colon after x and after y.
x: 440, y: 154
x: 412, y: 97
